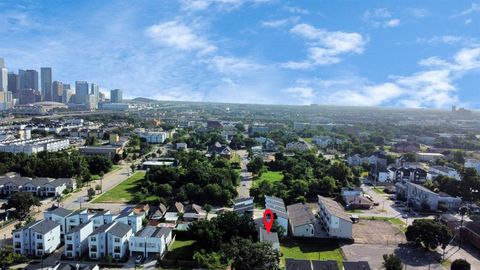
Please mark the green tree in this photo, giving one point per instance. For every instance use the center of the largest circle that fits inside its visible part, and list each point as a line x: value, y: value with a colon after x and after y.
x: 391, y: 262
x: 460, y: 264
x: 22, y: 202
x: 255, y: 165
x: 428, y: 233
x: 248, y: 255
x: 207, y: 208
x: 90, y: 193
x: 9, y: 257
x: 211, y: 260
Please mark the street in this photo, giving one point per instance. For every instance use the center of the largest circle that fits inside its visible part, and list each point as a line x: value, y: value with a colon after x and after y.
x: 246, y: 177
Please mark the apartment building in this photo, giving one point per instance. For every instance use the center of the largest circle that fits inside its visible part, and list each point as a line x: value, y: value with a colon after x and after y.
x: 150, y: 240
x: 424, y: 199
x: 109, y: 240
x: 279, y: 211
x: 334, y: 221
x: 33, y: 146
x: 58, y: 215
x: 301, y: 219
x: 76, y: 240
x: 37, y: 238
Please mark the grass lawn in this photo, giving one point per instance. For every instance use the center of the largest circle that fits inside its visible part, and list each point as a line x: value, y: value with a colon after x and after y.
x: 378, y: 190
x: 235, y: 158
x: 181, y: 249
x: 400, y: 224
x: 310, y: 250
x: 269, y: 176
x: 308, y: 140
x: 114, y: 168
x: 122, y: 192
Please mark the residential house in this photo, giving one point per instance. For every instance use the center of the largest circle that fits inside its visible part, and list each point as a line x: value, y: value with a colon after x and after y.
x: 301, y: 219
x: 299, y: 146
x: 244, y: 206
x: 76, y: 240
x: 327, y: 141
x: 271, y: 237
x: 78, y: 217
x: 40, y: 186
x: 150, y: 240
x: 37, y: 238
x: 411, y: 172
x: 268, y: 145
x: 335, y: 222
x: 277, y: 206
x: 406, y: 147
x: 173, y: 212
x: 435, y: 171
x: 109, y: 240
x: 131, y: 219
x: 158, y: 212
x: 430, y: 157
x: 295, y: 264
x: 181, y: 146
x: 220, y: 150
x: 193, y: 212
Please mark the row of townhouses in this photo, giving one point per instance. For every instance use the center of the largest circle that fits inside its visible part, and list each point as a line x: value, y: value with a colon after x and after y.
x: 39, y: 186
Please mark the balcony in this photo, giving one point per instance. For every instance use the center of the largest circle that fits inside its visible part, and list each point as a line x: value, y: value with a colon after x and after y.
x: 93, y: 249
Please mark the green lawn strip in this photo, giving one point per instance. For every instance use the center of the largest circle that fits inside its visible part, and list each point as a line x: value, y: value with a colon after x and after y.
x: 114, y: 168
x: 378, y: 190
x: 308, y: 140
x: 181, y: 249
x: 122, y: 192
x: 400, y: 224
x: 310, y: 250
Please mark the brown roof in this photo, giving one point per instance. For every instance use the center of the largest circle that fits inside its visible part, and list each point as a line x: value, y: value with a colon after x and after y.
x: 334, y: 208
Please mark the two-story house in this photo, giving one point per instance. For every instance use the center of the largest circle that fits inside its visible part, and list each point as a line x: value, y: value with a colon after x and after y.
x: 109, y: 240
x: 37, y: 238
x: 76, y: 240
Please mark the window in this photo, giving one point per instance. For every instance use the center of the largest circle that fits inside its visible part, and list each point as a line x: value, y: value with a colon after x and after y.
x: 93, y: 255
x: 17, y: 235
x: 116, y: 249
x: 93, y: 239
x: 18, y: 245
x: 117, y: 240
x: 69, y: 237
x: 39, y: 236
x: 117, y: 257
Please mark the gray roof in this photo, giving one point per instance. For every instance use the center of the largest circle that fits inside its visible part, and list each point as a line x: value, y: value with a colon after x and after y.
x: 152, y: 231
x: 300, y: 214
x: 334, y: 208
x: 79, y: 227
x: 325, y: 265
x: 276, y: 205
x: 60, y: 211
x: 362, y: 265
x: 293, y: 264
x: 268, y: 237
x: 44, y: 226
x: 119, y: 229
x: 101, y: 229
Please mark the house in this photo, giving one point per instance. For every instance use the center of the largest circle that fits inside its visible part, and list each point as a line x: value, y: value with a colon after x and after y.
x: 172, y: 215
x: 271, y: 237
x: 128, y: 217
x: 334, y: 221
x: 220, y: 150
x: 435, y: 171
x: 141, y: 210
x: 409, y: 172
x: 158, y: 212
x: 244, y: 206
x: 301, y: 219
x: 295, y: 264
x: 77, y: 217
x: 109, y: 240
x: 359, y: 202
x: 268, y: 145
x: 406, y: 147
x: 40, y: 186
x: 59, y: 215
x: 326, y: 141
x: 361, y: 265
x: 76, y: 240
x: 424, y: 199
x: 376, y: 159
x: 193, y: 212
x: 349, y: 193
x: 257, y: 150
x: 279, y: 211
x: 299, y: 146
x: 37, y: 238
x: 181, y: 146
x: 150, y: 240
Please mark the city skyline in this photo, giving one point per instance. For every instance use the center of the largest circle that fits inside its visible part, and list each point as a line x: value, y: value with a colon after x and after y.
x: 368, y: 54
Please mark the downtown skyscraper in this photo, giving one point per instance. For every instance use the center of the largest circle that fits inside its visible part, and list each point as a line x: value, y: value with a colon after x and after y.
x: 46, y: 83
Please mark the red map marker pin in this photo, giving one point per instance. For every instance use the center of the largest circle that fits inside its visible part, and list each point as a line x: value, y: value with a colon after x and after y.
x: 268, y: 222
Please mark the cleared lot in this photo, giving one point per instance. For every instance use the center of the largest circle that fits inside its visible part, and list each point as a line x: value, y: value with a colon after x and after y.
x: 377, y: 232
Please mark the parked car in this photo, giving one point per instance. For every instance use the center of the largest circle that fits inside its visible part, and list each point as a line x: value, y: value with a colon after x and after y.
x: 139, y: 259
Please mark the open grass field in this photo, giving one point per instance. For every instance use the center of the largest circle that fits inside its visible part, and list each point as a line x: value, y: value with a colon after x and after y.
x: 123, y: 192
x: 310, y: 250
x: 269, y: 176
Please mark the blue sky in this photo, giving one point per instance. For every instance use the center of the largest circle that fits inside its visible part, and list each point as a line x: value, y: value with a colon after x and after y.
x: 366, y: 53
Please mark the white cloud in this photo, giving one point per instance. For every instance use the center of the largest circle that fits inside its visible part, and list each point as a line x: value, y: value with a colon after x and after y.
x: 432, y: 87
x: 380, y: 17
x: 280, y: 22
x: 325, y: 47
x: 296, y: 10
x: 199, y: 5
x: 474, y: 8
x: 179, y: 36
x: 468, y: 21
x: 418, y: 12
x: 233, y: 65
x: 305, y: 95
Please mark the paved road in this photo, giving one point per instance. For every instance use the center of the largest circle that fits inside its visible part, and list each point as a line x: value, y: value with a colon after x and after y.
x: 246, y: 177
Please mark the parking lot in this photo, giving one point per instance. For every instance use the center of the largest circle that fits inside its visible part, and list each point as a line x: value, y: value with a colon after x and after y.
x: 377, y: 232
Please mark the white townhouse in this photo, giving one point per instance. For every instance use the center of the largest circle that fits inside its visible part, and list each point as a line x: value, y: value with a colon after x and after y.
x: 37, y: 238
x: 443, y: 170
x: 279, y: 211
x: 76, y: 240
x: 150, y: 240
x: 102, y: 217
x: 59, y: 215
x: 109, y: 240
x: 78, y: 217
x: 301, y: 219
x: 131, y: 219
x: 40, y: 186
